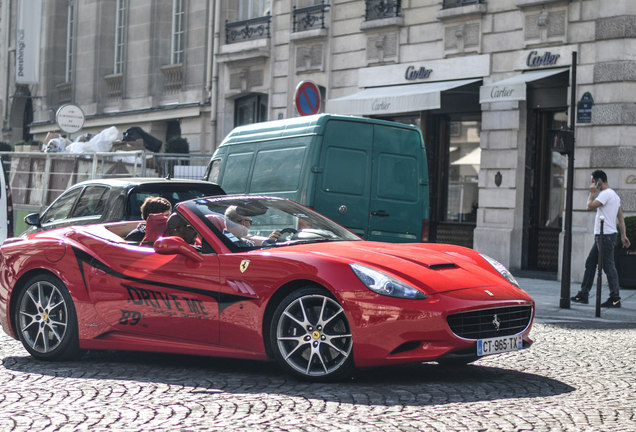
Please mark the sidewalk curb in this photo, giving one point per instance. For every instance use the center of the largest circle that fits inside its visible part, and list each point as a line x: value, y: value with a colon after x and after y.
x: 547, y: 296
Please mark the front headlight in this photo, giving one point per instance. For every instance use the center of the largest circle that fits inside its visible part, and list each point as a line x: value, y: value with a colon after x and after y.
x: 501, y: 269
x: 383, y: 284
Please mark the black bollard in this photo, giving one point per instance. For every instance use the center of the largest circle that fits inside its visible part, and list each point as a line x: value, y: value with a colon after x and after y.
x: 599, y: 281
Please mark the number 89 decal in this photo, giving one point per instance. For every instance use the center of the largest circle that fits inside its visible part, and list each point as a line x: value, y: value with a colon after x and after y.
x: 129, y: 317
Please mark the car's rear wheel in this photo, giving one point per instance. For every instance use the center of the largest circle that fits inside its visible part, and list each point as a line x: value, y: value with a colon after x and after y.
x: 310, y: 336
x: 45, y: 319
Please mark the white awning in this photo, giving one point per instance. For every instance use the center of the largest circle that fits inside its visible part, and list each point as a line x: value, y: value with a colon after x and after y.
x: 394, y: 99
x: 513, y: 89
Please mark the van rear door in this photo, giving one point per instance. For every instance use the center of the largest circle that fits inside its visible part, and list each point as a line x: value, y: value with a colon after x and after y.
x: 372, y: 180
x: 344, y: 173
x: 398, y: 195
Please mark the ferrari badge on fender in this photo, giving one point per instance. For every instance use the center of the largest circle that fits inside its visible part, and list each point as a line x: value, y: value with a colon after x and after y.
x: 244, y: 265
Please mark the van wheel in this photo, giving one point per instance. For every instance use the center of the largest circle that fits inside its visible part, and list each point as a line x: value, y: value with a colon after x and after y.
x: 45, y: 318
x: 310, y: 336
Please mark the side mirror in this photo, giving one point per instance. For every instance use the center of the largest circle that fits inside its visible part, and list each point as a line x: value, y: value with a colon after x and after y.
x: 33, y: 219
x: 176, y: 246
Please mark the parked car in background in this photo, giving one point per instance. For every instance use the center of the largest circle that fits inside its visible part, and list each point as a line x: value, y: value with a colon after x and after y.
x: 110, y: 200
x: 317, y: 299
x: 6, y: 204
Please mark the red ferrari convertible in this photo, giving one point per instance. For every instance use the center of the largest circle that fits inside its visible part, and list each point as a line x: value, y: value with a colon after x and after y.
x: 259, y: 278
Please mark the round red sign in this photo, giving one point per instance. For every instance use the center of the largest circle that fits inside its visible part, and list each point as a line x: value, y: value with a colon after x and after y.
x: 307, y: 98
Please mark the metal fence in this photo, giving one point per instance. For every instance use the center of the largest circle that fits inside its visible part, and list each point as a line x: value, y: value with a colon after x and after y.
x: 37, y: 178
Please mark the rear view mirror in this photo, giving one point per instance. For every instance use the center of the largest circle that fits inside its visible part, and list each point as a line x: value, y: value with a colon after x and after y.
x: 32, y: 219
x: 176, y: 246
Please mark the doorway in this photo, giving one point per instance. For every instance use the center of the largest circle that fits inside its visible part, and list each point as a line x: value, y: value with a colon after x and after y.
x: 546, y: 172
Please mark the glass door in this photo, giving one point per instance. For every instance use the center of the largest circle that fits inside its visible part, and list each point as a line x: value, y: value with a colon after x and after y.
x: 546, y: 197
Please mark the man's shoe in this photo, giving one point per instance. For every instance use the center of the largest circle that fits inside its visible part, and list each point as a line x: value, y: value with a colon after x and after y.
x: 579, y: 299
x: 611, y: 303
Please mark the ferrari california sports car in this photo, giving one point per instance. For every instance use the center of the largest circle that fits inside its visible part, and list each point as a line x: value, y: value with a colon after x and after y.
x: 258, y: 277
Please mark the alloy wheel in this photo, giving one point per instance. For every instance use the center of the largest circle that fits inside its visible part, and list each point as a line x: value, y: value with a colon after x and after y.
x: 313, y: 336
x: 43, y: 317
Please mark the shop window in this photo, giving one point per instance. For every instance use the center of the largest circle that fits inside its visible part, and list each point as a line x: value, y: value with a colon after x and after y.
x: 250, y: 109
x: 464, y: 157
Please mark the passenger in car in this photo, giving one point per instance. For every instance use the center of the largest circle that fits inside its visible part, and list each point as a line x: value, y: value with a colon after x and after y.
x: 151, y: 205
x: 178, y: 226
x: 156, y: 226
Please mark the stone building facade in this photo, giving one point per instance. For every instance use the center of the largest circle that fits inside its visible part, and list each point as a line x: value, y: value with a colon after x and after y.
x: 486, y: 81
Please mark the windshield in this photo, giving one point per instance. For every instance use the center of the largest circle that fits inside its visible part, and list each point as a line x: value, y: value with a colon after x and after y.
x: 248, y: 222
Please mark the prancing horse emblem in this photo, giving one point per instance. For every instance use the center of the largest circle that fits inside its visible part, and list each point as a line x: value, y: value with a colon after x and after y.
x: 496, y: 322
x: 244, y: 265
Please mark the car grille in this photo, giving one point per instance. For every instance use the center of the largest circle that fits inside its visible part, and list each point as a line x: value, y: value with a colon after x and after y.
x: 488, y: 323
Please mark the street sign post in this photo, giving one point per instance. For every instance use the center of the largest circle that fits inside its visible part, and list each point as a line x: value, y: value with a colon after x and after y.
x: 307, y: 98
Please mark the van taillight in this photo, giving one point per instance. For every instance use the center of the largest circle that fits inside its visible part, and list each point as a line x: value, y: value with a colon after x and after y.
x: 425, y: 226
x: 9, y: 211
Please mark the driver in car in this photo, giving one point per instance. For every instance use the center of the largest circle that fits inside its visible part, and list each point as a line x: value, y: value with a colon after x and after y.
x: 238, y: 225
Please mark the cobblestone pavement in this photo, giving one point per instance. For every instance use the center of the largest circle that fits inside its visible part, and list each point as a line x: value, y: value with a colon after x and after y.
x: 577, y: 377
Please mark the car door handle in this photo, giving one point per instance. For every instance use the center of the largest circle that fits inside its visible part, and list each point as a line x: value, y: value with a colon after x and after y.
x: 380, y: 213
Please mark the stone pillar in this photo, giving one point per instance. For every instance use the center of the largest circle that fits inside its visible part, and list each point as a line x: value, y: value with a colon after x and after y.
x: 501, y: 182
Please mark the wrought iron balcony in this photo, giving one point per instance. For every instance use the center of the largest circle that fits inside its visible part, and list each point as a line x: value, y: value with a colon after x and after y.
x: 447, y: 4
x: 309, y: 18
x: 378, y: 9
x: 240, y: 31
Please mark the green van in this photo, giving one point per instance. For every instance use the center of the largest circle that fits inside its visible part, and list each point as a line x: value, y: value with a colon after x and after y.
x: 368, y: 175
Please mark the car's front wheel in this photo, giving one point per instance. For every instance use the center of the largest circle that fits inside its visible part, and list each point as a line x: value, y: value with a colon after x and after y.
x: 310, y: 336
x: 45, y: 319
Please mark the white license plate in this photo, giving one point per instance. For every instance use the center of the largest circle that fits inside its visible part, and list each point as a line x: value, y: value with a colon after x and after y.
x: 499, y: 345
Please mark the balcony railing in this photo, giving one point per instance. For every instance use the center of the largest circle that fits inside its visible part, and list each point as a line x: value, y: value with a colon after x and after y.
x: 240, y: 31
x: 114, y: 86
x: 378, y: 9
x: 447, y: 4
x: 172, y: 78
x: 64, y: 92
x: 309, y: 18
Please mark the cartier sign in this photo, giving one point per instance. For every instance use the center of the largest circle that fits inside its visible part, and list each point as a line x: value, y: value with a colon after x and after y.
x: 414, y: 74
x: 546, y: 59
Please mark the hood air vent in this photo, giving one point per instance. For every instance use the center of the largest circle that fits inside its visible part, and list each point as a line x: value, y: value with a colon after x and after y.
x: 442, y: 266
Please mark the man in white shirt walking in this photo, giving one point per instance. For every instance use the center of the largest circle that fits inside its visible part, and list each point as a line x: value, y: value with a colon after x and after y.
x: 607, y: 204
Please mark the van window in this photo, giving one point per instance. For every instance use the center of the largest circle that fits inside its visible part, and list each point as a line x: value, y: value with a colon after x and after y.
x: 236, y: 172
x: 342, y: 163
x: 277, y: 170
x: 215, y: 167
x: 396, y: 176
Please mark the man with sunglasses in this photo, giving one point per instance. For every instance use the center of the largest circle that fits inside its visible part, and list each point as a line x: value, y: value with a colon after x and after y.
x: 239, y: 226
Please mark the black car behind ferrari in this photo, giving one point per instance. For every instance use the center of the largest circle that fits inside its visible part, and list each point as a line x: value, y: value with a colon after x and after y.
x: 110, y: 200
